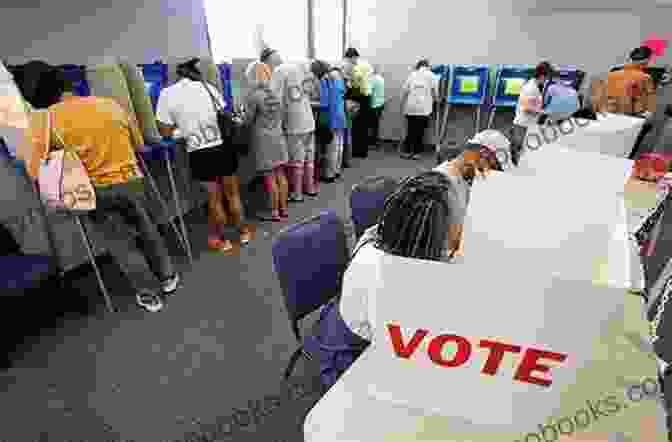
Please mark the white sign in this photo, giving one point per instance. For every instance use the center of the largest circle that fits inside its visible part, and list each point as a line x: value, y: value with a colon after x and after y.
x: 498, y: 338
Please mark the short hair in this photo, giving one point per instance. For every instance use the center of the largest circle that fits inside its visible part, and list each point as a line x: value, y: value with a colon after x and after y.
x: 415, y: 218
x: 189, y: 70
x: 351, y: 53
x: 266, y: 54
x: 424, y: 63
x: 544, y: 68
x: 641, y: 54
x: 51, y: 86
x: 319, y: 68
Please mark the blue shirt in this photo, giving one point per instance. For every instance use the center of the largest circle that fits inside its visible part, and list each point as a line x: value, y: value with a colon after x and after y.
x: 332, y: 101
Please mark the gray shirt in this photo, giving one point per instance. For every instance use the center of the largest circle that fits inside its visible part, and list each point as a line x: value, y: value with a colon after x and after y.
x: 290, y: 83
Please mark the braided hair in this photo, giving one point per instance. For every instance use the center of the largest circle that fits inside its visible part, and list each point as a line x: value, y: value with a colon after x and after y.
x: 415, y: 218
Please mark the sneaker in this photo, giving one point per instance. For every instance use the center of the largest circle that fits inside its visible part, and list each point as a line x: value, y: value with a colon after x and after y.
x: 416, y: 157
x: 295, y: 199
x: 246, y: 237
x: 170, y: 285
x: 149, y: 300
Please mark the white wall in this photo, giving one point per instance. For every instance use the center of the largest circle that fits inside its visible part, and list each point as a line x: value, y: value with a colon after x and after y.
x: 82, y: 32
x: 397, y: 34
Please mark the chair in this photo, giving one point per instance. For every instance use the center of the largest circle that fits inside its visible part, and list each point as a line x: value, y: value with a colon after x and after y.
x: 309, y: 259
x: 367, y: 200
x: 507, y: 87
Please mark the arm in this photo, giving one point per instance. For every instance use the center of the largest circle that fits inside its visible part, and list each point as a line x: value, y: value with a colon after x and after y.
x: 164, y: 117
x: 405, y: 90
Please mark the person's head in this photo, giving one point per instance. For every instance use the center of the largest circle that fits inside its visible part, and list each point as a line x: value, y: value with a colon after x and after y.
x: 424, y: 63
x: 351, y: 55
x: 190, y: 70
x: 487, y: 150
x: 258, y: 74
x: 51, y: 87
x: 422, y: 219
x: 319, y: 68
x: 543, y: 72
x: 641, y: 55
x: 270, y: 57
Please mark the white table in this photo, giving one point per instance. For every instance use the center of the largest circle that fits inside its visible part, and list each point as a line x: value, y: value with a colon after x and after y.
x: 347, y: 413
x: 611, y: 134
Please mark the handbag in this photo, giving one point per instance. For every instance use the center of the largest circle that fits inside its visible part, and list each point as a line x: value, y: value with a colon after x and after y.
x: 231, y: 131
x: 62, y: 179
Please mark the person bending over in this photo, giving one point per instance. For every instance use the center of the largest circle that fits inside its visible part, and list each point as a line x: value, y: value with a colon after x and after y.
x: 107, y: 139
x: 419, y: 93
x: 422, y: 219
x: 188, y: 106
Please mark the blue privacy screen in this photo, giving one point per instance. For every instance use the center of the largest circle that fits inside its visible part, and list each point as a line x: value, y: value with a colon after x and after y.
x: 156, y: 78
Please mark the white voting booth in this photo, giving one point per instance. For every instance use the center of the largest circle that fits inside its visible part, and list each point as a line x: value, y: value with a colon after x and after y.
x: 534, y: 247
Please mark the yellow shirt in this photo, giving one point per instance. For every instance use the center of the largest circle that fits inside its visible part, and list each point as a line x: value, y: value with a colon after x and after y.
x: 100, y: 130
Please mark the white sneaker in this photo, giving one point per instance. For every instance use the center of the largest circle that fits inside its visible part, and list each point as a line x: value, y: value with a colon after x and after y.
x: 149, y: 300
x: 170, y: 285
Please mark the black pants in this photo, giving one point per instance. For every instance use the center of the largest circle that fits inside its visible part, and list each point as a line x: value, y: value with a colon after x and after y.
x: 376, y: 113
x: 360, y: 128
x: 637, y: 148
x: 415, y: 135
x: 128, y: 200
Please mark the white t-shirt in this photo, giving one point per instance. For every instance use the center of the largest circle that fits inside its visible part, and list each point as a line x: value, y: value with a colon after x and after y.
x: 292, y: 85
x: 523, y: 118
x: 422, y: 88
x: 188, y: 106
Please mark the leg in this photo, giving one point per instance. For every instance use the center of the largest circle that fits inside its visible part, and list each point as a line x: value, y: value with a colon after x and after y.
x: 309, y: 187
x: 410, y: 136
x: 271, y: 191
x: 331, y: 164
x: 297, y: 155
x: 347, y: 147
x: 338, y: 140
x: 230, y: 187
x: 423, y: 124
x: 217, y: 218
x: 281, y: 182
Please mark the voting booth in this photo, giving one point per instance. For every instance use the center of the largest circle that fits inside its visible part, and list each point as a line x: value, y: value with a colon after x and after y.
x: 77, y: 76
x: 508, y: 84
x: 570, y: 76
x: 156, y: 78
x: 227, y: 89
x: 470, y: 86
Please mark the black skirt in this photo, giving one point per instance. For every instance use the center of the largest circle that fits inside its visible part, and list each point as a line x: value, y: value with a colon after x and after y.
x: 213, y: 162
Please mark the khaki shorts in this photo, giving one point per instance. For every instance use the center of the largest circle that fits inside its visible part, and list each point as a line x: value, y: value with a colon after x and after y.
x: 301, y: 148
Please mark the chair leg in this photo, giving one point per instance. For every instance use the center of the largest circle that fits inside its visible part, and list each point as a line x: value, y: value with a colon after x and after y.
x: 92, y: 259
x: 292, y: 362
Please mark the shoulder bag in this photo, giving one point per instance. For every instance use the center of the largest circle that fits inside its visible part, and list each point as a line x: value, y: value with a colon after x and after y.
x: 232, y: 132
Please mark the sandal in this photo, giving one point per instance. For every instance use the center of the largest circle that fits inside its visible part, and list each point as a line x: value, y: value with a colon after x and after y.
x: 246, y: 237
x: 284, y: 214
x: 219, y: 245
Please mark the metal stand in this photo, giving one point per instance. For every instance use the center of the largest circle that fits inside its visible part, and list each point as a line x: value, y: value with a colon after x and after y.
x: 183, y: 240
x: 92, y: 258
x: 178, y: 206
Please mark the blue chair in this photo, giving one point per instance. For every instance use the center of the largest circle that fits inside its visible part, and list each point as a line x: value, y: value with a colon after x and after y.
x: 77, y: 75
x: 225, y: 75
x: 156, y: 78
x: 309, y: 259
x: 470, y: 86
x: 507, y: 76
x: 367, y: 201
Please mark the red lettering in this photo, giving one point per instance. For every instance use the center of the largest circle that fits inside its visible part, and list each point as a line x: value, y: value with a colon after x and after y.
x: 402, y: 350
x: 496, y: 355
x: 530, y: 363
x: 436, y: 347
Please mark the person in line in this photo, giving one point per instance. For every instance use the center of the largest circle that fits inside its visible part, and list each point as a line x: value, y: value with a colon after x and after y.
x: 357, y: 72
x: 264, y: 119
x: 419, y: 93
x: 108, y: 139
x: 332, y: 107
x: 188, y: 107
x: 421, y: 220
x: 377, y: 83
x: 298, y: 123
x: 530, y: 101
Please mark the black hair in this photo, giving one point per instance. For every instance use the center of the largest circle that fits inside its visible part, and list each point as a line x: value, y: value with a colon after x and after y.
x: 641, y: 54
x: 424, y: 63
x: 189, y: 70
x: 415, y: 218
x: 544, y: 68
x: 51, y: 86
x: 266, y: 54
x: 351, y: 53
x: 320, y: 68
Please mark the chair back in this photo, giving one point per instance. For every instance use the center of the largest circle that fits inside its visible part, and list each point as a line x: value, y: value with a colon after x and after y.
x: 367, y: 201
x: 309, y: 259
